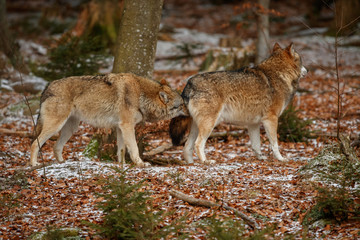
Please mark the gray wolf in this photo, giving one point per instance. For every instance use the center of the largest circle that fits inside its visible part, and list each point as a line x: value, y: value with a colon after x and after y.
x: 247, y: 97
x: 110, y: 101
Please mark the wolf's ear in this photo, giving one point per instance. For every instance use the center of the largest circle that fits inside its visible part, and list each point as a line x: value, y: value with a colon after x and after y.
x: 276, y: 47
x: 163, y: 97
x: 290, y: 49
x: 163, y: 82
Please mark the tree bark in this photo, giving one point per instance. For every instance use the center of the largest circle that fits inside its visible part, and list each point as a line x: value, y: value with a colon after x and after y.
x: 262, y: 44
x: 137, y: 37
x: 136, y: 42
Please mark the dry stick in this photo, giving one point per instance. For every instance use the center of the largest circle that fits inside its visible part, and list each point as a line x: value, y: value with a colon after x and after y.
x: 205, y: 203
x: 33, y: 121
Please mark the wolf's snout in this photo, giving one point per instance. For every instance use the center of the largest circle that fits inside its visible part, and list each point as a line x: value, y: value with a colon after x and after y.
x: 303, y: 71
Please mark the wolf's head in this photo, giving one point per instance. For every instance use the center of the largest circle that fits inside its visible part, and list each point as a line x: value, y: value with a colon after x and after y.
x: 163, y: 105
x: 288, y: 60
x: 284, y: 65
x: 173, y: 101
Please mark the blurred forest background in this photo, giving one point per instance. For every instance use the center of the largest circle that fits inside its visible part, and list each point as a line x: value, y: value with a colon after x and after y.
x: 314, y: 195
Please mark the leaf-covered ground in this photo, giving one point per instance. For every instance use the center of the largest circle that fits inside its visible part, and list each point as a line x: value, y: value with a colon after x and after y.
x: 272, y: 192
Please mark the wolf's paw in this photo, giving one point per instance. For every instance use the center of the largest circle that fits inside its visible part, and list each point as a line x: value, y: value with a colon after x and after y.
x: 209, y: 162
x: 35, y: 164
x: 143, y: 164
x: 282, y: 159
x: 261, y: 157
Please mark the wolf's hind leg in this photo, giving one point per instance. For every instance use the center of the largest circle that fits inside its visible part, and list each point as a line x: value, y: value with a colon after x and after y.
x: 66, y: 132
x: 50, y: 127
x: 120, y: 147
x: 205, y: 130
x: 270, y: 126
x: 254, y: 134
x: 189, y: 145
x: 128, y: 131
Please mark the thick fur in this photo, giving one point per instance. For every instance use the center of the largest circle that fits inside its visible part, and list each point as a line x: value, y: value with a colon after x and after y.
x: 111, y: 101
x: 247, y: 97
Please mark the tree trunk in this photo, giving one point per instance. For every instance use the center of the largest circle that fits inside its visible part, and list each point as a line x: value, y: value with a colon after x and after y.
x: 7, y: 45
x: 135, y: 48
x: 262, y: 44
x: 137, y: 37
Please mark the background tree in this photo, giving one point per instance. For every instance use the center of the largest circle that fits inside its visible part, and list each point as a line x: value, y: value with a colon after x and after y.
x: 7, y: 44
x: 137, y: 37
x: 346, y: 16
x: 262, y: 43
x: 135, y: 52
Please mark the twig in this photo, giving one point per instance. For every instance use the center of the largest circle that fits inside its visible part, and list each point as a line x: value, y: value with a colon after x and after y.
x: 6, y: 131
x: 205, y: 203
x: 43, y: 165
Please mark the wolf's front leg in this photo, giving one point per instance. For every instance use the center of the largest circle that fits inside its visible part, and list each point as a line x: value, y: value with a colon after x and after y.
x: 120, y: 147
x: 254, y: 134
x: 270, y: 126
x: 128, y: 134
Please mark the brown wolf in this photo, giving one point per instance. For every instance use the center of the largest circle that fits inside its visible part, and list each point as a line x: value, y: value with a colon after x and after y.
x: 248, y: 97
x: 111, y: 100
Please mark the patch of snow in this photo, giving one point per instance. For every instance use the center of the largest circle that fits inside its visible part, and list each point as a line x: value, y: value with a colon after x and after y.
x: 83, y: 169
x: 31, y: 50
x: 38, y: 84
x: 192, y: 36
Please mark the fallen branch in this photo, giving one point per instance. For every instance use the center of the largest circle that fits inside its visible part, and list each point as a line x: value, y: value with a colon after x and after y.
x: 9, y: 132
x: 159, y: 149
x: 205, y: 203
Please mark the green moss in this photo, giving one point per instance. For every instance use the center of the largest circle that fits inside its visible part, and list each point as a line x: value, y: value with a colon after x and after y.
x: 336, y: 178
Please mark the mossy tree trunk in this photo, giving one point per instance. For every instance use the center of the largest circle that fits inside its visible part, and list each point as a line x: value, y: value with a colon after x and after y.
x: 137, y: 37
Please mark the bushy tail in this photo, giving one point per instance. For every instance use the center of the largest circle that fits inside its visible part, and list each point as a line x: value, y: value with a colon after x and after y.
x: 37, y: 129
x: 178, y: 128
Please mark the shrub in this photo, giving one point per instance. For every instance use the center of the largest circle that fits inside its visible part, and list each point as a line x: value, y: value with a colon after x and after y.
x: 128, y: 212
x: 74, y: 57
x: 337, y: 173
x: 291, y: 127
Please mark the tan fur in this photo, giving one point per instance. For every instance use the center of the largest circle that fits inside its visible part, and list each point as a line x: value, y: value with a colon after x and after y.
x: 111, y: 101
x: 247, y: 97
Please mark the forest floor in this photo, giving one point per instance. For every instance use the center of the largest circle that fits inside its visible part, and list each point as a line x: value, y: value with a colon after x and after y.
x: 272, y: 192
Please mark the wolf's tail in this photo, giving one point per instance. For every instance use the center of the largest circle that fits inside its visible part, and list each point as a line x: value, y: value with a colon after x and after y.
x: 178, y: 128
x: 37, y: 129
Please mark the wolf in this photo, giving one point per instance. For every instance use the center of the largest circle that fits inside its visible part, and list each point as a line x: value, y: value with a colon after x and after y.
x: 110, y: 101
x: 248, y: 97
